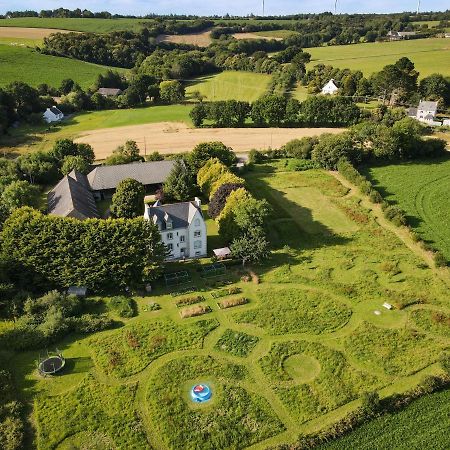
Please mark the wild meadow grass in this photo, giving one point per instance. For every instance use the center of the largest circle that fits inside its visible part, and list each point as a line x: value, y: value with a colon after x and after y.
x: 435, y: 322
x: 236, y: 343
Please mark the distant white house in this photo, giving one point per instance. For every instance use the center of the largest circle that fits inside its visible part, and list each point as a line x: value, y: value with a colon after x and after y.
x: 53, y: 114
x: 182, y: 228
x: 330, y: 88
x: 446, y: 123
x: 399, y: 35
x: 425, y: 112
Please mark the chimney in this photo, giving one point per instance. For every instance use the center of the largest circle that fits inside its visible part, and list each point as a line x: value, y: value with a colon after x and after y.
x: 198, y: 202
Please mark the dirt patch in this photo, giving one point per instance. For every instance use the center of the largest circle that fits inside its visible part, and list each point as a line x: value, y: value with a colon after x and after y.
x: 255, y: 36
x: 173, y: 137
x: 28, y: 33
x: 202, y: 39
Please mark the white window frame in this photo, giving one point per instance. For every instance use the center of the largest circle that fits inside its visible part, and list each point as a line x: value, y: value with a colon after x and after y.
x: 182, y: 238
x: 197, y: 233
x: 170, y: 236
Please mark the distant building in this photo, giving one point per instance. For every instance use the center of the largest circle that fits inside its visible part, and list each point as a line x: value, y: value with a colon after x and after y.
x: 182, y: 228
x: 425, y: 112
x: 330, y: 88
x: 71, y: 197
x: 53, y: 114
x: 446, y: 123
x: 399, y: 35
x: 103, y: 180
x: 109, y: 92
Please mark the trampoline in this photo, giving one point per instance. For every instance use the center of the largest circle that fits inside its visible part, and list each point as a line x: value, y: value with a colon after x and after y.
x: 52, y: 365
x: 201, y: 393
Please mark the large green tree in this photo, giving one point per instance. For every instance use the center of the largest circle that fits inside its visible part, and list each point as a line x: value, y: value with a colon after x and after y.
x: 100, y: 254
x: 77, y: 163
x: 128, y: 200
x: 180, y: 183
x: 124, y: 154
x: 250, y: 246
x: 18, y: 194
x: 204, y: 151
x: 171, y: 91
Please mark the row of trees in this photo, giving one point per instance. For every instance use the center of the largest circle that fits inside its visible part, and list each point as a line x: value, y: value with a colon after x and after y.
x: 240, y: 217
x: 401, y: 139
x: 276, y: 110
x: 398, y: 81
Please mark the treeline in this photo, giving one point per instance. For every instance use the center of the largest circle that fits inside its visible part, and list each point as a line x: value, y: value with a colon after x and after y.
x: 278, y: 110
x: 384, y: 138
x: 65, y: 13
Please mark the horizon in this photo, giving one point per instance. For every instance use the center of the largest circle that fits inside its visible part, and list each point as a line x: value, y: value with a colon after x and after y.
x: 240, y: 8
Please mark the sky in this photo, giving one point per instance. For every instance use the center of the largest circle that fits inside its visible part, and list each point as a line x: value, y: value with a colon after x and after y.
x: 234, y: 7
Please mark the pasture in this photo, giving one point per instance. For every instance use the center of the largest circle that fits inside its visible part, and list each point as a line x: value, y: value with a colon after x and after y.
x: 428, y: 55
x: 73, y: 24
x: 202, y: 39
x: 20, y: 63
x: 425, y: 201
x: 292, y: 360
x: 230, y: 85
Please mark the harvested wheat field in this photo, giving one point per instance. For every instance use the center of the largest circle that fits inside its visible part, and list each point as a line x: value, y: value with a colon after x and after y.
x: 202, y: 39
x: 174, y: 137
x: 28, y: 33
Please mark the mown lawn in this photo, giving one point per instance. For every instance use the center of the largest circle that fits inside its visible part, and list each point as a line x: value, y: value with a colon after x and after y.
x: 230, y: 85
x: 428, y: 55
x: 19, y: 63
x: 425, y: 201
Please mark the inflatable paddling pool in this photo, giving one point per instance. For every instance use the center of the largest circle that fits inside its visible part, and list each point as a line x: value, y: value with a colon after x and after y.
x: 200, y: 393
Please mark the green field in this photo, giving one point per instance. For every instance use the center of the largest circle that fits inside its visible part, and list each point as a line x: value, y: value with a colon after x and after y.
x: 28, y: 138
x: 275, y: 33
x: 230, y: 85
x: 429, y: 55
x: 425, y: 200
x: 19, y: 63
x: 88, y: 25
x: 294, y: 359
x: 422, y: 425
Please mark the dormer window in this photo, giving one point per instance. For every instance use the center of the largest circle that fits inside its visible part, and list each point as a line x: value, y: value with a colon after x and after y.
x: 169, y: 225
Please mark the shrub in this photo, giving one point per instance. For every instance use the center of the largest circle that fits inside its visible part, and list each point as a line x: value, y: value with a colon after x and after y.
x: 195, y: 311
x: 300, y: 148
x: 370, y: 402
x: 123, y: 306
x: 256, y: 157
x: 439, y: 259
x: 299, y: 165
x: 395, y: 215
x: 375, y: 196
x: 153, y: 306
x: 444, y: 362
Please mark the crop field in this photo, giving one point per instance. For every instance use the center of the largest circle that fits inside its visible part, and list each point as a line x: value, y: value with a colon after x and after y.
x: 422, y: 425
x: 425, y: 202
x: 428, y: 55
x: 202, y: 39
x: 230, y: 85
x: 74, y: 24
x: 296, y: 357
x: 19, y: 63
x: 27, y: 33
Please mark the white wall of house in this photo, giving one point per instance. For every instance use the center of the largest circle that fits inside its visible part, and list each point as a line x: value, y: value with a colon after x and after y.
x: 50, y: 117
x: 330, y: 88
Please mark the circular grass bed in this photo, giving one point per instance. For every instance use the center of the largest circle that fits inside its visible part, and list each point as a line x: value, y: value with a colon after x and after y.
x: 302, y: 368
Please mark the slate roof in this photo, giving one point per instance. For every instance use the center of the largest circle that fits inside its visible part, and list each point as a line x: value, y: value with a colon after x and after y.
x: 109, y: 92
x: 411, y: 112
x: 108, y: 177
x: 428, y: 106
x: 181, y: 214
x: 55, y: 110
x: 72, y: 198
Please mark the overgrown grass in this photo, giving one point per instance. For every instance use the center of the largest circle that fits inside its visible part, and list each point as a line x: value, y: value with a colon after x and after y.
x: 18, y: 63
x: 293, y: 310
x: 93, y: 408
x: 334, y: 383
x: 422, y: 425
x: 435, y: 322
x: 236, y: 343
x: 129, y: 350
x: 396, y: 352
x: 235, y: 418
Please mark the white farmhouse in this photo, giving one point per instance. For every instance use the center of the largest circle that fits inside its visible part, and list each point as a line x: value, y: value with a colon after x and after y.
x: 53, y: 114
x: 330, y: 88
x: 182, y: 228
x: 426, y: 111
